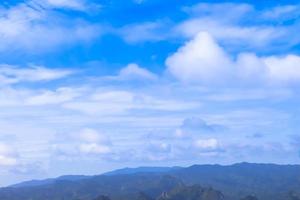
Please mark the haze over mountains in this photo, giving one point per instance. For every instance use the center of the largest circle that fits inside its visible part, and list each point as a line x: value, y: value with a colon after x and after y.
x: 242, y: 181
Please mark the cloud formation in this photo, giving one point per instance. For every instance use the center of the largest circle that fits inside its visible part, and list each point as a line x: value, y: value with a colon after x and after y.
x: 86, y: 143
x: 202, y: 60
x: 34, y: 27
x: 222, y: 85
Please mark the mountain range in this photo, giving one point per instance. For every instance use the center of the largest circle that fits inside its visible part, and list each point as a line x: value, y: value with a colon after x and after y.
x: 243, y: 181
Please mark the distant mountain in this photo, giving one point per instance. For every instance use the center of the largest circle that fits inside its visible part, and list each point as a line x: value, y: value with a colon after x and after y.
x: 121, y: 187
x: 265, y: 181
x: 142, y: 170
x: 34, y: 183
x: 235, y: 182
x: 124, y: 171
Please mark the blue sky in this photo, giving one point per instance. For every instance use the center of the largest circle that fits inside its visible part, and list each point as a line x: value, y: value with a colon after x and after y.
x: 90, y: 86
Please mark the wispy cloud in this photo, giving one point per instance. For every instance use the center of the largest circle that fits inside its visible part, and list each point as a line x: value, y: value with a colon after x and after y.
x: 34, y: 27
x: 14, y: 74
x: 65, y: 4
x: 245, y: 27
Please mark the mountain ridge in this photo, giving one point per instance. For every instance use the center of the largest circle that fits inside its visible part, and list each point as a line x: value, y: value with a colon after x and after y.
x: 134, y: 170
x: 237, y: 181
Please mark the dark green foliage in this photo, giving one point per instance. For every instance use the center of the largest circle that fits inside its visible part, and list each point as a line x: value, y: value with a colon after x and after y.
x: 192, y: 193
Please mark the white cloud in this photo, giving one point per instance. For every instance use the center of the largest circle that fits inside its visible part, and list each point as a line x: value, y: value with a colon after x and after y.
x: 179, y: 133
x: 255, y: 36
x: 207, y: 144
x: 233, y: 28
x: 12, y: 74
x: 7, y: 156
x: 23, y: 97
x: 217, y: 9
x: 7, y: 161
x: 120, y: 102
x: 249, y: 94
x: 282, y: 12
x: 249, y: 66
x: 87, y: 142
x: 103, y: 103
x: 283, y: 69
x: 68, y: 4
x: 202, y: 60
x: 117, y: 96
x: 133, y: 71
x: 93, y: 142
x: 34, y: 28
x: 93, y: 148
x: 52, y: 97
x: 92, y: 136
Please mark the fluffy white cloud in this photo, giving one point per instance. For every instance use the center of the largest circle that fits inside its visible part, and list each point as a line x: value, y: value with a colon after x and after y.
x: 283, y: 69
x: 202, y: 60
